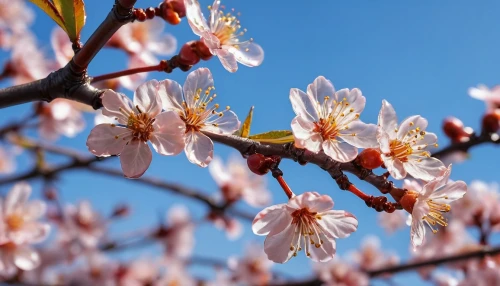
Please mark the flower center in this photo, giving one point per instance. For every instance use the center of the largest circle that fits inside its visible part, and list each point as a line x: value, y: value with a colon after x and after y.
x: 400, y: 150
x: 141, y: 125
x: 227, y: 28
x: 197, y: 114
x: 140, y: 33
x: 14, y: 222
x: 307, y: 229
x: 434, y: 216
x: 327, y: 128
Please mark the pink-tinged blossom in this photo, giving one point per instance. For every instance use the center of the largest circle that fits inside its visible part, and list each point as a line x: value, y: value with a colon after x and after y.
x: 179, y: 237
x: 97, y: 269
x: 444, y: 279
x: 139, y: 121
x: 62, y: 46
x: 223, y: 36
x: 131, y: 82
x: 254, y: 268
x: 7, y: 161
x: 339, y: 273
x: 391, y: 222
x: 231, y: 226
x: 329, y: 121
x: 193, y: 103
x: 176, y: 274
x: 370, y: 256
x: 83, y: 225
x: 25, y: 69
x: 19, y: 218
x: 144, y: 37
x: 427, y: 205
x: 60, y: 117
x: 305, y: 222
x: 484, y: 275
x: 490, y: 96
x: 15, y: 16
x: 236, y: 182
x: 404, y: 147
x: 141, y: 272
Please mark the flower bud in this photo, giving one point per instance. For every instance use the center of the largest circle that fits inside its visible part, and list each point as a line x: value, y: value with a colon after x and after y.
x: 370, y: 159
x: 491, y: 123
x: 140, y: 15
x: 258, y: 164
x: 409, y: 200
x: 187, y: 55
x: 178, y: 7
x: 454, y: 129
x: 203, y: 51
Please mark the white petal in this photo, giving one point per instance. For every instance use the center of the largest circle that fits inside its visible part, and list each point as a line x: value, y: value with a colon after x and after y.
x: 272, y: 219
x: 436, y: 183
x: 360, y: 134
x: 17, y: 197
x: 169, y: 132
x: 452, y: 191
x: 227, y: 124
x: 417, y: 229
x: 146, y: 98
x: 249, y: 54
x: 26, y: 258
x: 387, y: 119
x: 198, y: 79
x: 108, y: 139
x: 305, y: 136
x: 311, y: 200
x: 427, y: 169
x: 227, y: 59
x: 170, y: 93
x: 384, y: 141
x: 277, y: 246
x: 116, y: 105
x: 325, y: 252
x: 395, y: 167
x: 340, y: 151
x: 199, y: 148
x: 195, y: 17
x: 135, y: 159
x: 411, y: 123
x: 338, y: 224
x: 34, y: 210
x: 320, y: 88
x: 219, y: 172
x: 304, y: 105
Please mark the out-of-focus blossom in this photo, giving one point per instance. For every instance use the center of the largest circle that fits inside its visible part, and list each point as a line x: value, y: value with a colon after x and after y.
x: 98, y: 269
x: 483, y: 274
x: 305, y: 222
x: 427, y: 204
x: 336, y: 272
x: 19, y: 229
x: 223, y: 36
x: 176, y: 274
x: 370, y: 256
x: 179, y: 239
x: 24, y: 69
x: 7, y: 161
x: 404, y: 147
x: 136, y: 61
x: 333, y: 125
x: 103, y: 119
x: 191, y: 102
x: 444, y: 279
x: 141, y: 272
x: 490, y: 96
x: 83, y: 225
x: 60, y: 117
x: 62, y: 46
x: 139, y: 122
x: 231, y: 226
x: 254, y: 268
x: 15, y: 16
x: 454, y: 157
x: 392, y: 221
x: 236, y: 182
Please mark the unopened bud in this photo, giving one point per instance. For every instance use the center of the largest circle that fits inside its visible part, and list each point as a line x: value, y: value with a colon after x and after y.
x: 408, y: 201
x: 121, y: 211
x: 370, y: 159
x: 257, y: 163
x: 454, y: 129
x: 187, y: 55
x: 203, y: 51
x: 491, y: 123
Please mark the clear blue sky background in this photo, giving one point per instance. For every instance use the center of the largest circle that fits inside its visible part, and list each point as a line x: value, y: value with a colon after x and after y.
x: 421, y: 56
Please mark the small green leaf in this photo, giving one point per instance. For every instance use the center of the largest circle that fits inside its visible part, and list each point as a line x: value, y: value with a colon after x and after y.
x: 73, y: 13
x: 51, y: 10
x: 244, y: 130
x: 275, y: 136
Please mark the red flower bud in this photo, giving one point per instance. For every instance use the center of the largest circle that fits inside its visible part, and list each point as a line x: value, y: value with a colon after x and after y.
x: 370, y: 159
x: 491, y: 122
x: 203, y: 51
x: 178, y: 7
x: 454, y: 129
x: 150, y: 12
x: 187, y: 55
x: 258, y: 164
x: 140, y: 15
x: 408, y: 201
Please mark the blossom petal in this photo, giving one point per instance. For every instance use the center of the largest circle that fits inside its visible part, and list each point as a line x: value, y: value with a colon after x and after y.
x: 305, y: 136
x: 277, y: 246
x: 200, y: 79
x: 384, y: 141
x: 163, y: 44
x: 417, y: 231
x: 17, y: 197
x: 360, y: 135
x: 325, y: 252
x: 116, y: 105
x: 146, y: 98
x: 427, y: 169
x: 199, y: 148
x: 320, y: 88
x: 32, y: 232
x: 195, y: 17
x: 411, y: 123
x: 387, y: 119
x: 304, y: 105
x: 108, y: 139
x: 170, y: 93
x: 34, y: 210
x: 338, y: 223
x: 227, y: 59
x: 135, y: 159
x: 168, y: 135
x: 395, y: 167
x: 249, y: 54
x: 354, y: 98
x: 340, y: 151
x: 26, y: 258
x: 450, y: 192
x: 273, y: 219
x: 219, y: 172
x: 313, y: 201
x: 227, y: 124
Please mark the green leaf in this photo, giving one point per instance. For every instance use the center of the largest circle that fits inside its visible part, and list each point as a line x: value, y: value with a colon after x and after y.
x: 51, y: 10
x: 73, y: 13
x: 244, y: 130
x: 275, y: 136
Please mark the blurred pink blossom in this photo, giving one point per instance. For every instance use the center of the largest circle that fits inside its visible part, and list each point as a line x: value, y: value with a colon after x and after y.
x: 339, y: 273
x: 254, y: 268
x: 371, y: 257
x: 490, y: 96
x: 179, y: 239
x: 60, y: 117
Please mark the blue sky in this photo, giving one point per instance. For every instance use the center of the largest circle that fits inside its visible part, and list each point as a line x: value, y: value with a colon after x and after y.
x: 421, y: 56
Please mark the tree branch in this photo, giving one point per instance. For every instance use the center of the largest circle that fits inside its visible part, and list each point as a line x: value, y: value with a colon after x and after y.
x: 474, y: 140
